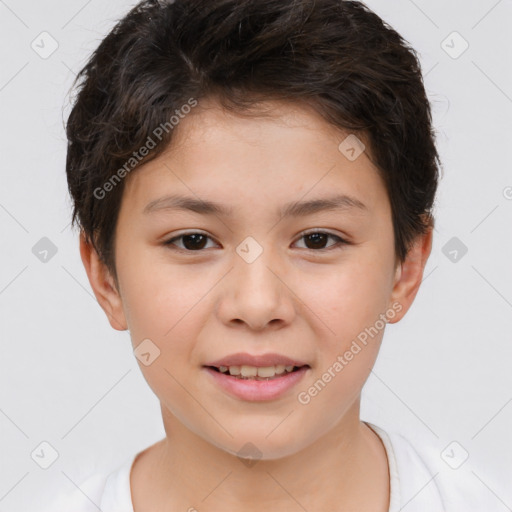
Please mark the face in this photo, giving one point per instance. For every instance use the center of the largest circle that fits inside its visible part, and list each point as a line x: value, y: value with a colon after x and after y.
x: 310, y: 286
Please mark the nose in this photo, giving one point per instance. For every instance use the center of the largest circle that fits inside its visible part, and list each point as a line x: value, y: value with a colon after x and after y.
x: 256, y: 295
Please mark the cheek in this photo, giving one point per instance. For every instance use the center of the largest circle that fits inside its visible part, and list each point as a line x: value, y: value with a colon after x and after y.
x: 156, y: 294
x: 349, y: 297
x: 349, y: 306
x: 167, y: 306
x: 349, y: 301
x: 164, y: 311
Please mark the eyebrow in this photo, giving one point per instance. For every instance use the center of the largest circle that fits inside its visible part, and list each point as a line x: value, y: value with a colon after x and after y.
x: 340, y: 202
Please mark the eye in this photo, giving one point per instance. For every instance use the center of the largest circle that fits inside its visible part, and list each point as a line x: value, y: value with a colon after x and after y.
x: 196, y: 241
x: 193, y: 241
x: 317, y: 240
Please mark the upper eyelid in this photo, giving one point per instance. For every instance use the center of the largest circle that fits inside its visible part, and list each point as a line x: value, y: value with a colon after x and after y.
x: 302, y: 233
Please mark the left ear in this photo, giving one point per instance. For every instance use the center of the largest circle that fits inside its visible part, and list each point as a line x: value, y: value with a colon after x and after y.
x: 409, y: 274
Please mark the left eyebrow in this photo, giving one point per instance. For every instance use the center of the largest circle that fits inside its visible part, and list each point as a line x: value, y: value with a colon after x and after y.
x: 341, y: 202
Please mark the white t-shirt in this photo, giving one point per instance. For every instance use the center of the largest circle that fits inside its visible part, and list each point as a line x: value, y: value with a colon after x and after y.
x: 417, y: 484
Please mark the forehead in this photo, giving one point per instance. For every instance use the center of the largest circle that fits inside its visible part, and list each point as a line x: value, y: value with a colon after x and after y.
x: 283, y: 153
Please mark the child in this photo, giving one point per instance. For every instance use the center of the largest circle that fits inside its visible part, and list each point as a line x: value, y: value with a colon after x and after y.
x: 254, y: 184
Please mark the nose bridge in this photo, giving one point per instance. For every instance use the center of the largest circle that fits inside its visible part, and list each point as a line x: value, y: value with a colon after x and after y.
x: 256, y: 294
x: 253, y: 264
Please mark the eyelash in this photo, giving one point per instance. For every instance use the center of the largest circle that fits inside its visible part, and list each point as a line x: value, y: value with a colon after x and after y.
x: 341, y: 242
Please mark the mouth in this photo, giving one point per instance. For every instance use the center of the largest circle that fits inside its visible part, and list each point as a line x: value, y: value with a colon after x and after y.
x: 246, y: 372
x: 257, y: 383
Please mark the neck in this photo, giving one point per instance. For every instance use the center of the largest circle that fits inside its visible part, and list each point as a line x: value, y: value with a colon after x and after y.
x: 344, y: 469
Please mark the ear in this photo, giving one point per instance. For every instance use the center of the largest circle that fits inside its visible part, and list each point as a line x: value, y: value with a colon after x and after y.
x: 409, y: 274
x: 103, y: 285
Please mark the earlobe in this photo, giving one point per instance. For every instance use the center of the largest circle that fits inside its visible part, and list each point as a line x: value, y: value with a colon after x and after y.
x: 102, y: 284
x: 409, y: 274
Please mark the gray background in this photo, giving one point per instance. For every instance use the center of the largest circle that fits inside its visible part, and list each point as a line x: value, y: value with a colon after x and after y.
x: 68, y: 379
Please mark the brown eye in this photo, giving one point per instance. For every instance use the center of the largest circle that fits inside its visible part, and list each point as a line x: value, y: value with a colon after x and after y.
x: 191, y: 241
x: 196, y: 241
x: 317, y: 240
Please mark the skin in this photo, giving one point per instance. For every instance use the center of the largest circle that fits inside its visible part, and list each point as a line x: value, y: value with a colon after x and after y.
x: 295, y: 299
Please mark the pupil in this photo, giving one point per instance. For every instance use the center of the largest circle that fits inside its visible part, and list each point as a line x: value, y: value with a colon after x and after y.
x: 195, y: 244
x: 316, y: 237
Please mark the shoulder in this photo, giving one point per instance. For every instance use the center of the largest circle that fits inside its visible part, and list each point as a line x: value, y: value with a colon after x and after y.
x: 85, y: 498
x: 100, y: 491
x: 430, y: 469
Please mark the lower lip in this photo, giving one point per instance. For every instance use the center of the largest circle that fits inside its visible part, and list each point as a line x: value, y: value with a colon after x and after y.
x: 257, y: 390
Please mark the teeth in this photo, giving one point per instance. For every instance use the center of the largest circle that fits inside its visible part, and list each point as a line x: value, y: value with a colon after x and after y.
x: 234, y: 370
x: 267, y: 371
x: 246, y: 371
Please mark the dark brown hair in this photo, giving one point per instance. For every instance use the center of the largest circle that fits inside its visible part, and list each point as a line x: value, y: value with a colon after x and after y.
x: 336, y: 56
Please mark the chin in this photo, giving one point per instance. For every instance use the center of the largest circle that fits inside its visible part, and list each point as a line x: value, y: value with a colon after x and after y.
x: 256, y: 444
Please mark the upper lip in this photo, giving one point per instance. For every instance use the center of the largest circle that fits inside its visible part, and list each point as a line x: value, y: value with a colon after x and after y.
x: 263, y: 360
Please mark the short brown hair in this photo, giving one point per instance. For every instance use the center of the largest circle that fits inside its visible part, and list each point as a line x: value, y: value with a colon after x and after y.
x: 337, y: 56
